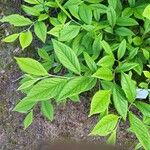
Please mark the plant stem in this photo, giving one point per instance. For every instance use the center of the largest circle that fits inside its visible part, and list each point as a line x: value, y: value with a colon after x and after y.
x: 69, y: 16
x: 56, y: 76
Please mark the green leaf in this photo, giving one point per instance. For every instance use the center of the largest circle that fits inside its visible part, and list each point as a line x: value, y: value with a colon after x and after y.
x: 133, y: 52
x: 107, y: 61
x: 55, y: 21
x: 111, y: 16
x: 32, y: 1
x: 51, y: 4
x: 137, y: 41
x: 113, y: 3
x: 140, y: 131
x: 143, y: 85
x: 72, y: 2
x: 31, y: 66
x: 24, y: 106
x: 47, y: 110
x: 122, y: 49
x: 67, y: 56
x: 90, y: 62
x: 31, y: 10
x: 106, y: 47
x: 40, y: 30
x: 146, y: 54
x: 100, y: 102
x: 143, y: 107
x: 10, y: 38
x: 146, y: 120
x: 112, y: 138
x: 17, y: 20
x: 122, y: 31
x: 126, y: 67
x: 28, y: 120
x: 75, y: 98
x: 85, y: 13
x: 100, y: 7
x: 88, y: 27
x: 25, y: 39
x: 138, y: 146
x: 69, y: 32
x: 147, y: 74
x: 104, y: 73
x: 46, y: 89
x: 56, y: 30
x: 105, y: 126
x: 62, y: 18
x: 92, y: 1
x: 43, y: 17
x: 129, y: 87
x: 97, y: 46
x: 107, y: 85
x: 127, y: 12
x: 126, y: 21
x: 76, y: 86
x: 28, y: 84
x: 146, y: 12
x: 43, y: 54
x: 63, y: 9
x: 131, y: 3
x: 74, y: 11
x: 120, y: 101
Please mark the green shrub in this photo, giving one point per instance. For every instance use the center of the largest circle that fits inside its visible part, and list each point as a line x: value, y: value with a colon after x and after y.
x: 88, y: 44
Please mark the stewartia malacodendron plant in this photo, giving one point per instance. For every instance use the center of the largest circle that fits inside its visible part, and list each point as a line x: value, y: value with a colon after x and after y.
x: 88, y: 44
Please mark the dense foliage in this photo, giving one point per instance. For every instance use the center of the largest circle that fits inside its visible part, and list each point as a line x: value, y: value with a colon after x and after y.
x: 97, y: 45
